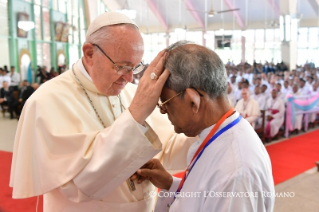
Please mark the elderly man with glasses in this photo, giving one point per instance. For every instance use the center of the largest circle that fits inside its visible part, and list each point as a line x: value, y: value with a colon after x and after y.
x: 228, y: 167
x: 82, y: 134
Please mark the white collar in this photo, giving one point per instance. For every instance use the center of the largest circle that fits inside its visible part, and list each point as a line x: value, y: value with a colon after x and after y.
x: 82, y: 70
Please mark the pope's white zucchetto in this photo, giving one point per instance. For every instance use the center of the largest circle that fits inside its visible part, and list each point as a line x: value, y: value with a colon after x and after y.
x: 108, y: 19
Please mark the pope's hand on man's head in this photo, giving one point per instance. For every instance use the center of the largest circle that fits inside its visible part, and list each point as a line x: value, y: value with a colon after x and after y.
x: 149, y: 90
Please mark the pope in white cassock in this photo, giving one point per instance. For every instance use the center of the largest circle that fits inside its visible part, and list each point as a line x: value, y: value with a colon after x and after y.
x: 228, y: 158
x: 275, y: 111
x: 248, y: 107
x: 81, y: 135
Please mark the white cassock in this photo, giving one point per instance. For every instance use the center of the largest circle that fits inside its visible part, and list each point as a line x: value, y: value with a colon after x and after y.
x: 275, y: 108
x: 236, y: 161
x: 298, y: 117
x: 62, y: 150
x: 248, y: 109
x: 261, y: 99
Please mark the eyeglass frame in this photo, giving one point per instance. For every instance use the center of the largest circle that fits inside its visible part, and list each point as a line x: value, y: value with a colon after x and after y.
x: 161, y: 105
x: 122, y: 67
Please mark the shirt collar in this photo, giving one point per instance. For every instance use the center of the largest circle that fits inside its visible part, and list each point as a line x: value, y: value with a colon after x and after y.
x: 82, y: 70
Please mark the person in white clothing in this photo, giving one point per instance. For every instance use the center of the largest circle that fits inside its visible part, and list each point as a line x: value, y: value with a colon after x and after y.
x: 4, y: 77
x: 298, y: 118
x: 286, y: 89
x: 248, y: 107
x: 275, y: 111
x: 233, y: 83
x: 261, y: 99
x: 303, y: 89
x: 235, y: 161
x: 280, y: 94
x: 15, y: 79
x: 264, y: 92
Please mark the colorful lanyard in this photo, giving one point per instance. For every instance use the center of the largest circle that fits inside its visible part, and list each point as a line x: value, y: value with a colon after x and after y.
x: 208, y: 140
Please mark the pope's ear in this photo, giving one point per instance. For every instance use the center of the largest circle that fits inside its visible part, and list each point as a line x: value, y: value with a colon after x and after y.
x: 194, y: 99
x: 88, y: 51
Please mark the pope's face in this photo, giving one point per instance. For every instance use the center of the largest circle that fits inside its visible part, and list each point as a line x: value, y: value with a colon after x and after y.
x: 126, y: 50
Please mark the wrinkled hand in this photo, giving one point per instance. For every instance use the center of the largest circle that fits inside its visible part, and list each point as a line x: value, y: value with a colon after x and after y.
x: 1, y: 100
x: 149, y: 90
x: 269, y: 118
x: 154, y: 172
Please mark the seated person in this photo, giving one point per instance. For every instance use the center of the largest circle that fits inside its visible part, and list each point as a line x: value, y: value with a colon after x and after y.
x: 248, y: 107
x: 298, y: 118
x: 7, y: 99
x: 275, y: 112
x: 25, y: 92
x: 261, y: 99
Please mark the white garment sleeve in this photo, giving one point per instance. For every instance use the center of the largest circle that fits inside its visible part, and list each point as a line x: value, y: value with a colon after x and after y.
x: 118, y: 152
x: 163, y: 202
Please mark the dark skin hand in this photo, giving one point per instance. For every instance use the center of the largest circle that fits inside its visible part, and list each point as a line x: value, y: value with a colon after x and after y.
x: 154, y: 172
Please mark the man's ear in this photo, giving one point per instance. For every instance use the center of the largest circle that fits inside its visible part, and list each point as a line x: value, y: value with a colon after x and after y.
x: 194, y: 99
x: 88, y: 51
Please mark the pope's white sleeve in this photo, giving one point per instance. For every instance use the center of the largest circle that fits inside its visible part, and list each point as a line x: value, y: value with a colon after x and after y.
x: 118, y: 151
x: 165, y: 198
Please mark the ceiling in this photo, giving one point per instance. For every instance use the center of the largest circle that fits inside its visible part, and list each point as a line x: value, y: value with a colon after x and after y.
x: 166, y: 15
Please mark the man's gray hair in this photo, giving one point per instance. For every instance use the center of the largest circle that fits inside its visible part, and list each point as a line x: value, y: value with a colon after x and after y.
x: 195, y: 68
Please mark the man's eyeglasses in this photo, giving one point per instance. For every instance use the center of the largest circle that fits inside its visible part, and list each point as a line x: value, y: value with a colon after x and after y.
x: 121, y: 70
x: 162, y: 106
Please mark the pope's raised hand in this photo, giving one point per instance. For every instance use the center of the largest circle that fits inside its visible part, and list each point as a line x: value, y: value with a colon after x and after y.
x: 149, y: 88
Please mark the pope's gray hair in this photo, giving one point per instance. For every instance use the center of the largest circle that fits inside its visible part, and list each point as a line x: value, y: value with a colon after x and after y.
x: 195, y: 68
